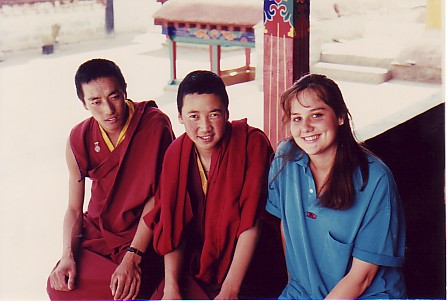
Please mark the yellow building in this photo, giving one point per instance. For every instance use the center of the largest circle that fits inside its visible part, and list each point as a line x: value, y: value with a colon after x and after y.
x: 434, y: 14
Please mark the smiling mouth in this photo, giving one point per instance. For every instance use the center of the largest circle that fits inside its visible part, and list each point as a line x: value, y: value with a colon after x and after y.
x: 311, y: 138
x: 112, y: 119
x: 207, y: 138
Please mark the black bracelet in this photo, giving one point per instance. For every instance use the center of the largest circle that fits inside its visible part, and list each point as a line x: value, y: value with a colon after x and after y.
x: 133, y: 250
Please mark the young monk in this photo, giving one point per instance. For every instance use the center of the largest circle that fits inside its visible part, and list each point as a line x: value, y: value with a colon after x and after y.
x: 120, y: 148
x: 342, y: 220
x: 212, y: 191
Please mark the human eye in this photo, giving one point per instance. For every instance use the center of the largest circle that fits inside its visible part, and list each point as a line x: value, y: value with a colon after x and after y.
x: 316, y: 114
x: 95, y: 101
x: 215, y: 115
x: 115, y: 96
x: 193, y: 116
x: 296, y: 118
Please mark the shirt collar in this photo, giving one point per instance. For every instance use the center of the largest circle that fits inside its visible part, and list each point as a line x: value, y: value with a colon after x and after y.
x: 122, y: 135
x: 300, y: 157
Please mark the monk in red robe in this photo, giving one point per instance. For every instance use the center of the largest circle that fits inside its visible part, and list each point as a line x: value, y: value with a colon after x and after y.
x: 120, y: 148
x: 211, y: 196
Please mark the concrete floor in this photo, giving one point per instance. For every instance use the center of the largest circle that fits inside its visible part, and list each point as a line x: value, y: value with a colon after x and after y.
x: 38, y: 107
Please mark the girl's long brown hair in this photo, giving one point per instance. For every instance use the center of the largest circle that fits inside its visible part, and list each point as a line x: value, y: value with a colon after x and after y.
x: 339, y: 191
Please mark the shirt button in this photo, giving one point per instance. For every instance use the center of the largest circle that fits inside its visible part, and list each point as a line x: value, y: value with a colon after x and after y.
x: 311, y: 190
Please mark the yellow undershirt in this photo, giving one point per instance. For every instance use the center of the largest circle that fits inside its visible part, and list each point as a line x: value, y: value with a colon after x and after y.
x: 202, y: 173
x: 122, y: 134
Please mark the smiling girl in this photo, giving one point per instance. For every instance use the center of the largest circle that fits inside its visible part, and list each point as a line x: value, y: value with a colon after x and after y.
x: 342, y: 221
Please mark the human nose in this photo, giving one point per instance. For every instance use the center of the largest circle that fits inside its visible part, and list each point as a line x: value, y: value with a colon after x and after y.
x: 306, y: 125
x: 204, y: 124
x: 109, y: 107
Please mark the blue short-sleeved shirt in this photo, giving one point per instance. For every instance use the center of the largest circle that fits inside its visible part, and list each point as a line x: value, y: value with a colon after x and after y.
x: 321, y: 242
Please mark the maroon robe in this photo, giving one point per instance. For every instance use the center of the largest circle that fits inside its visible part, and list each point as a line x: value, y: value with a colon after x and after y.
x: 236, y: 196
x: 122, y: 182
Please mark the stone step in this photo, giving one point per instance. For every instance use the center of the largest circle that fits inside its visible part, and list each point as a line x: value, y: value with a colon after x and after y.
x: 362, y: 52
x: 352, y: 59
x: 354, y: 73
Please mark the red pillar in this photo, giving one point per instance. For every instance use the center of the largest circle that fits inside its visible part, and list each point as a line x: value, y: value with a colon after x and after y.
x: 286, y: 57
x: 247, y: 57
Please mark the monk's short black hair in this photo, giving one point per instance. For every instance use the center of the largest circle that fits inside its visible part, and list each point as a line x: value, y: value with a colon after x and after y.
x: 202, y: 82
x: 94, y: 69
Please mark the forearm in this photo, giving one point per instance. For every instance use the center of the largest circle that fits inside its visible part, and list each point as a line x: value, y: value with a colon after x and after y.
x: 143, y: 235
x: 62, y: 278
x: 73, y: 220
x: 126, y: 280
x: 283, y: 239
x: 72, y: 232
x: 346, y: 289
x: 245, y: 248
x: 173, y: 266
x: 283, y: 242
x: 355, y: 282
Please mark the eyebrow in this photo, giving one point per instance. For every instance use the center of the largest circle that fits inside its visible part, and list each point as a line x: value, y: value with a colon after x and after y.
x: 319, y: 109
x: 196, y: 111
x: 116, y: 91
x: 312, y: 110
x: 93, y: 98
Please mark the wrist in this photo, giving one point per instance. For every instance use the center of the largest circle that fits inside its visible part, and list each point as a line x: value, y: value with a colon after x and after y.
x: 135, y: 251
x: 67, y: 255
x: 171, y: 287
x: 230, y: 287
x: 171, y: 281
x: 133, y: 257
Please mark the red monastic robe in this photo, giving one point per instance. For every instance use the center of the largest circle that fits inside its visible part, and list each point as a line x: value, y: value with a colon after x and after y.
x: 122, y: 182
x: 235, y: 198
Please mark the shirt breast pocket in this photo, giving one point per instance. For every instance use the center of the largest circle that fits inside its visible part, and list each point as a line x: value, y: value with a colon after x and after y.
x: 335, y: 258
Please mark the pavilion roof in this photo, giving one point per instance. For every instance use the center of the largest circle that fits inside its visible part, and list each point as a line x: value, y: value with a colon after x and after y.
x: 224, y: 12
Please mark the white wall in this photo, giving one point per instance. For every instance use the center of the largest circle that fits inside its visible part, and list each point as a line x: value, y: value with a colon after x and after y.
x: 25, y: 26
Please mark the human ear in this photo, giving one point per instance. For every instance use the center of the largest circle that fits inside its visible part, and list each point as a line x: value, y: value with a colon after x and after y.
x: 180, y: 119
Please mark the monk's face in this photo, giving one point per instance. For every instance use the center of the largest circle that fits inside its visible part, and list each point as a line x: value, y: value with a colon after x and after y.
x: 105, y: 100
x: 204, y: 117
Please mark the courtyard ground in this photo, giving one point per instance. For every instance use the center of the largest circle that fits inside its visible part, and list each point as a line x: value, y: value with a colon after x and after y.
x: 38, y: 107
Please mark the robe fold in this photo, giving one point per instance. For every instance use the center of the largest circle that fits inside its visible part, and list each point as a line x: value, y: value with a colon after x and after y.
x: 235, y: 198
x: 123, y: 180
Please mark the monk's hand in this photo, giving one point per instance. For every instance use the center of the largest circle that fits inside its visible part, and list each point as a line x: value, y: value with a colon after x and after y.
x: 227, y: 292
x: 126, y: 280
x: 62, y: 278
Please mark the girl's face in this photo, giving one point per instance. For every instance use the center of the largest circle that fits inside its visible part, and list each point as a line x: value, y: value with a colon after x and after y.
x: 314, y: 125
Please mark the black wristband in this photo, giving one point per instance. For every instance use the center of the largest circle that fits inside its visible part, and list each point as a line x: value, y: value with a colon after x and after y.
x: 133, y: 250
